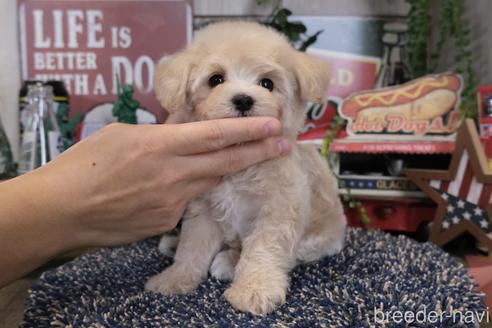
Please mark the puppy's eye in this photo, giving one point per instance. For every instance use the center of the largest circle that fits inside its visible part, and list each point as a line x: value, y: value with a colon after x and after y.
x: 267, y: 84
x: 215, y: 80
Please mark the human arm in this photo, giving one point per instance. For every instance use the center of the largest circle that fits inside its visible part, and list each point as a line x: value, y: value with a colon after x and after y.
x: 124, y: 183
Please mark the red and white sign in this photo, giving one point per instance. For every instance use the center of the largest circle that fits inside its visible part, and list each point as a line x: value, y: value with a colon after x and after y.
x: 384, y: 147
x: 88, y: 44
x: 421, y: 107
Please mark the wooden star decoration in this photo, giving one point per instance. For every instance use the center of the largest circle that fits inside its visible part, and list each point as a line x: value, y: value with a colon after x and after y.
x: 463, y: 192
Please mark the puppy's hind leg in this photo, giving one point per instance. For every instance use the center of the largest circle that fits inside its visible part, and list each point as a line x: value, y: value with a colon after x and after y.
x: 326, y: 234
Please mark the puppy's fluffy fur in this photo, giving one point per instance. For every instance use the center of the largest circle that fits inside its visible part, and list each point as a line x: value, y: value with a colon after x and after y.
x: 255, y: 225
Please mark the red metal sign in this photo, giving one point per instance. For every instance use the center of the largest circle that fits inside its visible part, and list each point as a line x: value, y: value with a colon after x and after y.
x: 349, y: 73
x: 88, y: 44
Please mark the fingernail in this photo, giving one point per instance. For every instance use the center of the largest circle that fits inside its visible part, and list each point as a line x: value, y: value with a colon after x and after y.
x: 283, y: 145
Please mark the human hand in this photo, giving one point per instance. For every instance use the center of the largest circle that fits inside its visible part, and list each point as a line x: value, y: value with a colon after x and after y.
x: 128, y: 182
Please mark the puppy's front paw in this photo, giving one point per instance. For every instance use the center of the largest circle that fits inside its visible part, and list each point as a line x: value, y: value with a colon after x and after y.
x: 257, y: 293
x: 173, y: 280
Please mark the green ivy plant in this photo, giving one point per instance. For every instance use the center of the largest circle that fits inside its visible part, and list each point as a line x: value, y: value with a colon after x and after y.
x: 336, y: 125
x: 295, y: 31
x: 419, y: 29
x: 423, y: 58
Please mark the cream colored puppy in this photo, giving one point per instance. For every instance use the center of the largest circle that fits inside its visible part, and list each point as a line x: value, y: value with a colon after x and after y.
x: 255, y: 225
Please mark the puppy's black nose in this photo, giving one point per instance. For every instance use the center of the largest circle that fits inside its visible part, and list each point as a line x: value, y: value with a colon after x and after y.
x: 242, y: 102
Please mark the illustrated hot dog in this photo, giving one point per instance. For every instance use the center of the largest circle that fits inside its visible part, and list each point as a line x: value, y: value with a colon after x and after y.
x: 418, y: 100
x: 435, y: 103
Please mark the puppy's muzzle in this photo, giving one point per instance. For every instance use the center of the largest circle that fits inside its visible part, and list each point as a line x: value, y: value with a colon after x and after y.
x: 242, y: 103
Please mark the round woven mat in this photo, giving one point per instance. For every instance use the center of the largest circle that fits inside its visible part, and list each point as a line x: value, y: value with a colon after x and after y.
x: 375, y: 270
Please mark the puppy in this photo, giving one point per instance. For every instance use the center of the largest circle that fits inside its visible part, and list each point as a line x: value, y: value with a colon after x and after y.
x: 256, y: 224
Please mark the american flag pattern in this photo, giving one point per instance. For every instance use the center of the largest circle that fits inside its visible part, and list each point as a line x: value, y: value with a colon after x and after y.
x: 466, y: 197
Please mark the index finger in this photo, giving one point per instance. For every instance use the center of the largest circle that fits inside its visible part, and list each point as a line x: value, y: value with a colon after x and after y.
x: 207, y: 136
x: 175, y: 118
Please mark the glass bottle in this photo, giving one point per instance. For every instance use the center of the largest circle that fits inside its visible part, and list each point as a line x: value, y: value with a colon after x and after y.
x: 41, y: 141
x: 7, y: 166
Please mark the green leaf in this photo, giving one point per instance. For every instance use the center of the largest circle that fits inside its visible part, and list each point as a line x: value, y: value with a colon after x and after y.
x: 281, y: 15
x: 297, y: 27
x: 311, y: 40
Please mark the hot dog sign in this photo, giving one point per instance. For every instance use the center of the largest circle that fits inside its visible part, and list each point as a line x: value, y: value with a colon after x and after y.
x: 422, y: 107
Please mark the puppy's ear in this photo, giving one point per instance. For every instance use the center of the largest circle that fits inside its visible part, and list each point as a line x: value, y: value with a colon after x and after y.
x: 313, y: 76
x: 171, y: 79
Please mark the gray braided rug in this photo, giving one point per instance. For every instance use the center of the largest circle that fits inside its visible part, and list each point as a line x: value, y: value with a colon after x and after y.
x: 105, y: 289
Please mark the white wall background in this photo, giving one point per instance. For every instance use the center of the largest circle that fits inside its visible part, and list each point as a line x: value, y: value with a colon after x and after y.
x: 478, y: 12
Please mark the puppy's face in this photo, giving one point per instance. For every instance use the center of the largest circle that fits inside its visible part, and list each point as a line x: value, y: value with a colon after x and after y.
x: 233, y: 84
x: 238, y: 70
